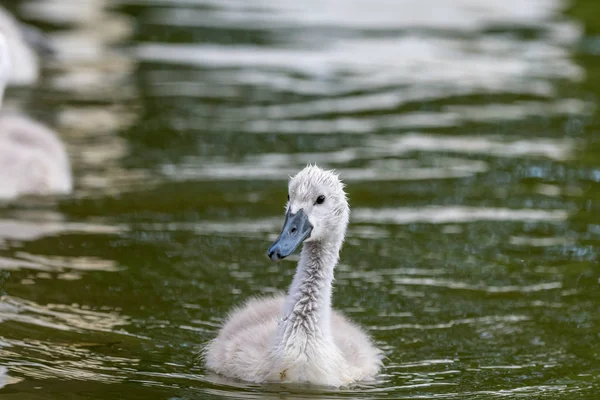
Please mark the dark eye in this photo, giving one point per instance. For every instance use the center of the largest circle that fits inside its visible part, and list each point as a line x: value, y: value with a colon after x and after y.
x: 320, y: 199
x: 288, y: 197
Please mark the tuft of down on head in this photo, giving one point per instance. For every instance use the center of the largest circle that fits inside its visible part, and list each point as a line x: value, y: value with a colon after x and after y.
x: 321, y: 195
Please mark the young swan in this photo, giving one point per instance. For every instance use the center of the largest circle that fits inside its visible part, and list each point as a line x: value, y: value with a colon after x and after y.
x: 33, y: 160
x: 5, y: 65
x: 299, y: 338
x: 25, y: 65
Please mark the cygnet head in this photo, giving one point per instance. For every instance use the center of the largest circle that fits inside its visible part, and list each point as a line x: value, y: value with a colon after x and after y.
x: 317, y: 210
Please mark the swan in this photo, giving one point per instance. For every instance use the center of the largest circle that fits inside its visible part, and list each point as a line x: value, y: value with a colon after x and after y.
x: 298, y: 337
x: 5, y: 65
x: 33, y: 160
x: 25, y: 65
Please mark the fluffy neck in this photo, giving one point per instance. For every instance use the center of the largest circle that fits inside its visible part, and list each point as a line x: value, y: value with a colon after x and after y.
x: 307, y: 310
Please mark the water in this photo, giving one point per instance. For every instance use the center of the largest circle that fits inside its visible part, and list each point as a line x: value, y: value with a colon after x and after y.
x: 467, y: 134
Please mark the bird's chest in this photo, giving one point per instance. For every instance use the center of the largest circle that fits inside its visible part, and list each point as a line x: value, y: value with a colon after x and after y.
x: 305, y: 361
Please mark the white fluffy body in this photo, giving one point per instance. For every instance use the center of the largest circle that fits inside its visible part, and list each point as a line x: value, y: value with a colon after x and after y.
x: 298, y: 337
x: 33, y: 160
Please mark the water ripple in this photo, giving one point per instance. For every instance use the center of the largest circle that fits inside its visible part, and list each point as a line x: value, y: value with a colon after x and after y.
x: 454, y: 214
x: 61, y: 317
x: 488, y: 320
x: 451, y: 284
x: 470, y: 15
x: 30, y: 230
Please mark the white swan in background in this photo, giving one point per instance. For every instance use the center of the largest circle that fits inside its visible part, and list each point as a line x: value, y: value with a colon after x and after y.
x: 5, y: 65
x: 33, y: 160
x: 25, y: 68
x: 298, y: 337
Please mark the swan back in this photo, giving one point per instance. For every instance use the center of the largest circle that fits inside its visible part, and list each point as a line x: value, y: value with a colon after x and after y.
x: 33, y: 160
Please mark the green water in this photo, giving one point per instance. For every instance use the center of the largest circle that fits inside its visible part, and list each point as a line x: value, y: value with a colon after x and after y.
x: 470, y: 145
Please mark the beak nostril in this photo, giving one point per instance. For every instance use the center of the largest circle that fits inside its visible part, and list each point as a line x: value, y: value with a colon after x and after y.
x: 296, y: 229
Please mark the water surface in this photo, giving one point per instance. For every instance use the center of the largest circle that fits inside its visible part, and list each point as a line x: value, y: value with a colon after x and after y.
x: 467, y: 135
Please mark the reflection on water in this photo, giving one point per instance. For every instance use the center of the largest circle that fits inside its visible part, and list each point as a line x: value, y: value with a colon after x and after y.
x: 466, y: 15
x: 379, y: 154
x: 57, y: 316
x: 28, y: 230
x: 444, y: 215
x: 464, y: 133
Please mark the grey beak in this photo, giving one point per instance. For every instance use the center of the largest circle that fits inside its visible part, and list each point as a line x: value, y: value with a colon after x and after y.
x: 296, y: 229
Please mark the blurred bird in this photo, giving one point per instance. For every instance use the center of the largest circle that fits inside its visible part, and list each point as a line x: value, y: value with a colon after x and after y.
x: 33, y: 160
x: 22, y: 42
